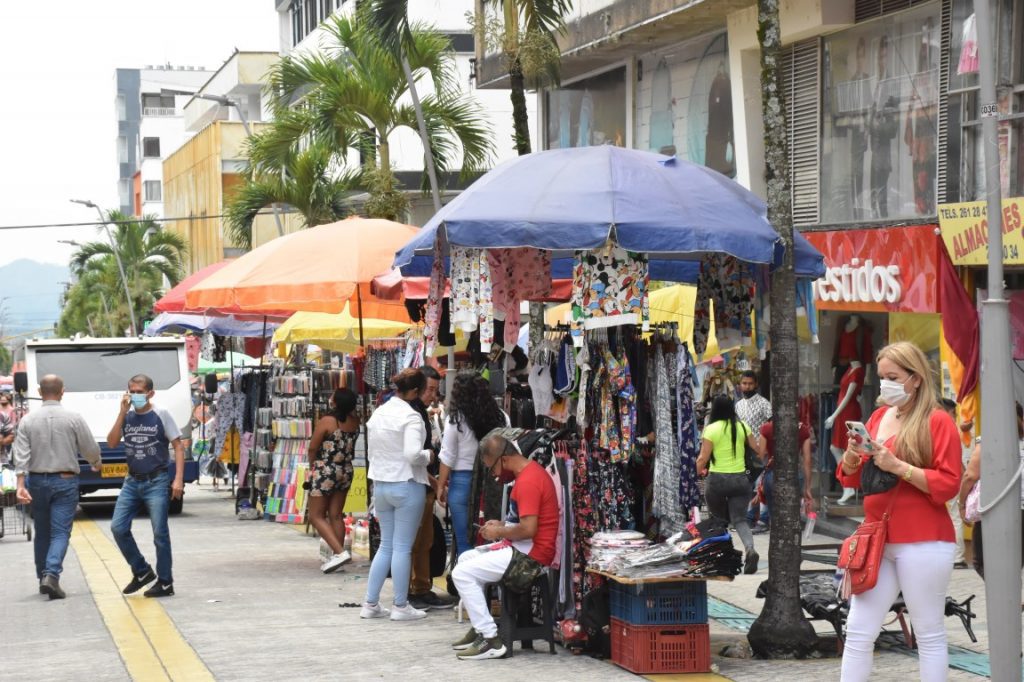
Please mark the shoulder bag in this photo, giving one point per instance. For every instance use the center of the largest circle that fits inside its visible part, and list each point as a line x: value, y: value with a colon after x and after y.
x: 751, y: 462
x: 861, y: 554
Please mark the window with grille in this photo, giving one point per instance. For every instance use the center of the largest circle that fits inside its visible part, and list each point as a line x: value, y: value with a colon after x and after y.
x: 801, y: 69
x: 151, y: 147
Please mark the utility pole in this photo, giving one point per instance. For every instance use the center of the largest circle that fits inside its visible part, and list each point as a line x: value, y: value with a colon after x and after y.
x: 999, y: 440
x: 117, y: 257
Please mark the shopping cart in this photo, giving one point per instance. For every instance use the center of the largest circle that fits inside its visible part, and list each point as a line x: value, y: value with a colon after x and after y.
x: 14, y: 517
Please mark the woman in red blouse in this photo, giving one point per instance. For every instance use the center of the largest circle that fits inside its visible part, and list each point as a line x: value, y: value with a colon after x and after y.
x: 913, y: 438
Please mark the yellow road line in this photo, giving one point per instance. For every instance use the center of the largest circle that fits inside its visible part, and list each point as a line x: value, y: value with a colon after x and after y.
x: 686, y: 677
x: 146, y: 638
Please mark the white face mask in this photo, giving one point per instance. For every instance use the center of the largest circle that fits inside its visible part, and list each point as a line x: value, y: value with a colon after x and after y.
x: 893, y: 393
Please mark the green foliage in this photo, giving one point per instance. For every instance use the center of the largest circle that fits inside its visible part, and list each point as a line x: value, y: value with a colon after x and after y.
x: 5, y: 360
x: 386, y: 199
x: 97, y: 297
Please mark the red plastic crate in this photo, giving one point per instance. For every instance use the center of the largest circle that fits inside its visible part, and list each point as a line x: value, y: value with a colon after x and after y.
x: 661, y: 648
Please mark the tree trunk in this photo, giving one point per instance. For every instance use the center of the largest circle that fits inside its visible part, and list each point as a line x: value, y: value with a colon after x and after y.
x: 520, y: 117
x: 781, y: 631
x: 428, y: 158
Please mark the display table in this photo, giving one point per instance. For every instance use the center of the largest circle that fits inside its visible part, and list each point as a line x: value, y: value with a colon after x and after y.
x: 660, y: 625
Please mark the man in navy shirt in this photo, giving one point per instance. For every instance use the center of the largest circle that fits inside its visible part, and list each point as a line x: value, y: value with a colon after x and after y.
x: 148, y: 431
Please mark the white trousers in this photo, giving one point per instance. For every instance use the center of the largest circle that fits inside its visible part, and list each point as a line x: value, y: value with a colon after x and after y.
x: 958, y: 527
x: 474, y: 570
x: 921, y: 570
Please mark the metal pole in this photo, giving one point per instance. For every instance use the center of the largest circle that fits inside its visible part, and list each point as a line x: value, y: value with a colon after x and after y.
x: 999, y: 445
x: 120, y: 268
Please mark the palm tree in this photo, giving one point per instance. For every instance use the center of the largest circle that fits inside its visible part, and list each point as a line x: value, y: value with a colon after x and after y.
x: 94, y: 304
x: 359, y: 85
x: 308, y: 180
x: 781, y: 631
x: 148, y: 254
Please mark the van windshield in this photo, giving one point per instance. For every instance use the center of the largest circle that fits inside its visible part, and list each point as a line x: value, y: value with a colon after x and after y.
x: 108, y: 369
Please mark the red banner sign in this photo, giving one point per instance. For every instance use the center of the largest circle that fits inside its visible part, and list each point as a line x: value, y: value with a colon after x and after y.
x: 891, y: 269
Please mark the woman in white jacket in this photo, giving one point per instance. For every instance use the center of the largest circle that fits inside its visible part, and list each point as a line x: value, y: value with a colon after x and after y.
x: 398, y: 469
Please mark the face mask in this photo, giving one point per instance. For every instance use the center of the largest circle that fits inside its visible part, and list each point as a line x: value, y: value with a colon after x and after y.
x: 893, y: 393
x: 749, y: 394
x: 139, y: 400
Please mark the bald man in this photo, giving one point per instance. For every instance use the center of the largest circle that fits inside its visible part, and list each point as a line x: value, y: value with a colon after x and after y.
x: 46, y: 449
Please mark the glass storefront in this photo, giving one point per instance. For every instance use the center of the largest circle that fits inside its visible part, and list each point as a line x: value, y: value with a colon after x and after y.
x: 684, y: 103
x: 880, y: 119
x: 586, y: 112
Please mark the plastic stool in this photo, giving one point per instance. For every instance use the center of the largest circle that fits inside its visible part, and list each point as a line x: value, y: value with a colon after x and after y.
x: 511, y: 603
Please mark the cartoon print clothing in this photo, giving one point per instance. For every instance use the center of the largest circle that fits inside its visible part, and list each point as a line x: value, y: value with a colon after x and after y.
x: 609, y: 288
x: 471, y: 297
x: 517, y: 275
x: 146, y: 439
x: 435, y: 295
x: 728, y: 284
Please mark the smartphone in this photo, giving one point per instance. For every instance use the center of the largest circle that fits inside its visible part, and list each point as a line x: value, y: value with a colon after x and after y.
x: 861, y: 431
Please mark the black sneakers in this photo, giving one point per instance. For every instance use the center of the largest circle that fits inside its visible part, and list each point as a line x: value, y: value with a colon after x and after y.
x: 429, y: 600
x: 160, y: 590
x: 139, y: 581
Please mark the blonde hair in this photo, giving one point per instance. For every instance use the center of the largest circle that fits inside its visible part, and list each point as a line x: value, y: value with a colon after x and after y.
x: 914, y: 441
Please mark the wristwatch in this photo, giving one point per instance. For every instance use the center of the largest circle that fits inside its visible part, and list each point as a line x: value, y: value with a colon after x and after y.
x: 908, y: 473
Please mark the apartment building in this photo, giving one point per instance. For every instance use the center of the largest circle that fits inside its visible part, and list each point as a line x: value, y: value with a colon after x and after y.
x: 150, y: 125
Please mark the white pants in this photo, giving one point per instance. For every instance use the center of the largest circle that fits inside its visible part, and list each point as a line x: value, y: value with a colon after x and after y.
x: 474, y: 570
x: 921, y: 570
x: 958, y: 527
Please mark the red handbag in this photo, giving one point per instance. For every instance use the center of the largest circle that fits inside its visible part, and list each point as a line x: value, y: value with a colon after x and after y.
x: 861, y: 554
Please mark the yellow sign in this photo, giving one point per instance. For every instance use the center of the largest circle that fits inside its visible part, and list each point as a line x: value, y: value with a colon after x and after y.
x: 965, y: 231
x: 113, y: 470
x: 356, y: 500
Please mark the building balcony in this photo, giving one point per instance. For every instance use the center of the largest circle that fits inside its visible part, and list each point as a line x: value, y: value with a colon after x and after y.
x: 164, y: 112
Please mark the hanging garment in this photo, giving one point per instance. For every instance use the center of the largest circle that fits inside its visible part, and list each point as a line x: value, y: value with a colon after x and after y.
x: 540, y: 387
x: 665, y: 503
x: 230, y: 412
x: 620, y: 385
x: 728, y: 284
x: 192, y: 347
x: 583, y: 362
x: 583, y: 527
x: 609, y: 288
x: 686, y: 434
x: 968, y: 62
x: 805, y: 300
x: 471, y: 297
x: 432, y: 315
x: 517, y: 275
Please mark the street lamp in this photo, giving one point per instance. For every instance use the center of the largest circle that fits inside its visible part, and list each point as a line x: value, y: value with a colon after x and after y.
x: 117, y: 257
x: 228, y: 102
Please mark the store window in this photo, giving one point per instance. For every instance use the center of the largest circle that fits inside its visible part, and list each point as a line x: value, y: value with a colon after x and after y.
x: 880, y: 119
x: 586, y: 112
x: 684, y: 103
x: 965, y: 180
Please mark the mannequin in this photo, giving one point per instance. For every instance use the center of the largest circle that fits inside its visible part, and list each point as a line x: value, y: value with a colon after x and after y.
x: 848, y: 409
x: 853, y: 342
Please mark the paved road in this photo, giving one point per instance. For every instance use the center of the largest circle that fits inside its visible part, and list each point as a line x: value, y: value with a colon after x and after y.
x: 251, y: 602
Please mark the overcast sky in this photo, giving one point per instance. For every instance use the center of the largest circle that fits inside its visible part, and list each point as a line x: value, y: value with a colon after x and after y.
x: 57, y: 96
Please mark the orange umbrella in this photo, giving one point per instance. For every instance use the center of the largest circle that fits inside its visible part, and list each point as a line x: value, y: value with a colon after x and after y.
x: 313, y: 270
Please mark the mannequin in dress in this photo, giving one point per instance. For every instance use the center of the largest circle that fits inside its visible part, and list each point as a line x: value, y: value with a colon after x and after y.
x: 847, y: 410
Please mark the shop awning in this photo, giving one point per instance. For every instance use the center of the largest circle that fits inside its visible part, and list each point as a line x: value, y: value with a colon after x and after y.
x: 222, y: 326
x: 338, y: 332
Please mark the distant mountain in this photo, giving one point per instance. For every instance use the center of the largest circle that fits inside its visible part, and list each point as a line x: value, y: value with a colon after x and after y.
x: 30, y: 295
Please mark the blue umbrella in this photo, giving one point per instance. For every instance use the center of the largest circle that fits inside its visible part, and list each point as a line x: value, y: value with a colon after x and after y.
x: 222, y: 326
x: 564, y: 200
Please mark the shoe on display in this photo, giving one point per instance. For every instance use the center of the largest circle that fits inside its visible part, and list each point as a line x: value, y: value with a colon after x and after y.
x: 750, y: 563
x: 160, y: 590
x: 139, y: 581
x: 50, y: 586
x: 430, y: 600
x: 407, y: 612
x: 336, y: 562
x: 483, y: 648
x: 373, y: 611
x: 467, y: 640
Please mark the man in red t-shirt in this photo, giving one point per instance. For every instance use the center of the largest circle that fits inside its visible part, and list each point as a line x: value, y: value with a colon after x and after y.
x: 530, y: 528
x: 768, y: 480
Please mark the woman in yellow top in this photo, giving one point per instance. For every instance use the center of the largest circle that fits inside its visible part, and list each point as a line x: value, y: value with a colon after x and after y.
x: 727, y: 489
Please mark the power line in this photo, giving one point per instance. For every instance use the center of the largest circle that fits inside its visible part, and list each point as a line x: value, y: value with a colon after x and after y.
x: 119, y: 222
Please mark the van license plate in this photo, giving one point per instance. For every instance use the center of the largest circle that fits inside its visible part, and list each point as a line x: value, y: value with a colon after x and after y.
x: 114, y: 470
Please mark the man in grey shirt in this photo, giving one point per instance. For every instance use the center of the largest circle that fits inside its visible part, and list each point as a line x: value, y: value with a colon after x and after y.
x: 46, y: 449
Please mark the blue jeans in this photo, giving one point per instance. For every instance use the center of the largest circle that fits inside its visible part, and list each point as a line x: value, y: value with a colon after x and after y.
x: 155, y: 497
x: 399, y: 509
x: 458, y: 503
x: 54, y: 501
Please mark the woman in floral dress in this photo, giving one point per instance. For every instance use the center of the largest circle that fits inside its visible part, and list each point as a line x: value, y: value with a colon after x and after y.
x: 330, y: 474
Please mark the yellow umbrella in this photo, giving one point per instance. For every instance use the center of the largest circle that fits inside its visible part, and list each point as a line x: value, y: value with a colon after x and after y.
x: 337, y: 332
